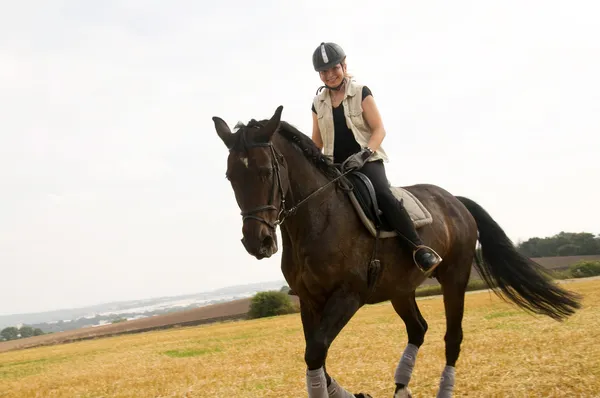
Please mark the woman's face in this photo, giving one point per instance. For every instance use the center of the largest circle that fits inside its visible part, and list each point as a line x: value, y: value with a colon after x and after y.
x: 332, y: 77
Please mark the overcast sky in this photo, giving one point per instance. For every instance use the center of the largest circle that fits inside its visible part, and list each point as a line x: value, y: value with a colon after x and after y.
x: 112, y: 177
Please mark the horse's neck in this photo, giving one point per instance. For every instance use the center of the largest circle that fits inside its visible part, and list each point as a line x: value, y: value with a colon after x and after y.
x: 305, y: 179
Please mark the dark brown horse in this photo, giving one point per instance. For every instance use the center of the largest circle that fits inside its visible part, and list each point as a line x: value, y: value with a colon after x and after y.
x: 280, y: 178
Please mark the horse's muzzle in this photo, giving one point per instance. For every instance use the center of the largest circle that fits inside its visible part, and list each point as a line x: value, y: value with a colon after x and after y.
x: 263, y: 246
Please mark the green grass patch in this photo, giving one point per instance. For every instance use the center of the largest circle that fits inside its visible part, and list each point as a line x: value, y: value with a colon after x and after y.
x: 585, y: 269
x: 433, y: 290
x: 262, y: 385
x: 191, y: 352
x: 28, y: 368
x: 500, y: 314
x: 557, y: 274
x: 424, y: 291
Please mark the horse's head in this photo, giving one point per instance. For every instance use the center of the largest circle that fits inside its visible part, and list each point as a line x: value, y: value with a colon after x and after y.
x: 258, y: 176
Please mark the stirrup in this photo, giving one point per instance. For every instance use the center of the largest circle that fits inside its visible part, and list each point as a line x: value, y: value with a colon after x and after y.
x: 426, y: 272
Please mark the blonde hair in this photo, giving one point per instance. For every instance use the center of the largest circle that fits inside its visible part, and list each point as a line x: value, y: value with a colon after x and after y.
x: 347, y: 75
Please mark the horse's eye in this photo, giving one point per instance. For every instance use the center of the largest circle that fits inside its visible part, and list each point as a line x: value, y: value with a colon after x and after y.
x: 265, y: 171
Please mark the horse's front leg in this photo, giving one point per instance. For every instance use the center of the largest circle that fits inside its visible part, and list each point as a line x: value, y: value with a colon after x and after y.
x: 416, y: 327
x: 321, y: 326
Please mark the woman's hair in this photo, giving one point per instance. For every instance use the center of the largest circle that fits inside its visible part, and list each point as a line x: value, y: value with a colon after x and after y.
x: 346, y: 73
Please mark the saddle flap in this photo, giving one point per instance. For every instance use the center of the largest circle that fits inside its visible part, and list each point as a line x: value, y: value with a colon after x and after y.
x: 364, y: 199
x: 368, y: 198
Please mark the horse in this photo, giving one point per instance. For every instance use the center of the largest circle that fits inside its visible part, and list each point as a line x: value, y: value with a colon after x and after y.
x: 281, y: 179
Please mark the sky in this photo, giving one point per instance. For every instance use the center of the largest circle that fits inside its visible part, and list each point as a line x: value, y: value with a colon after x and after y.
x: 112, y: 178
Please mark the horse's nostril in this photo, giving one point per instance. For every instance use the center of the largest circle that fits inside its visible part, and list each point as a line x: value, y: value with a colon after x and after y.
x: 267, y: 241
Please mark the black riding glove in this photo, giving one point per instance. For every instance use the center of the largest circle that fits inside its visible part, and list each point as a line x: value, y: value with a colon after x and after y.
x: 357, y: 161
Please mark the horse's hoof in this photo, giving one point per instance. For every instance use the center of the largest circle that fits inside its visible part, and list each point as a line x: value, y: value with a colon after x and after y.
x: 403, y: 393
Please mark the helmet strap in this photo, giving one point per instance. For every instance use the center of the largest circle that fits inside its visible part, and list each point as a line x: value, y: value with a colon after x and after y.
x: 337, y: 88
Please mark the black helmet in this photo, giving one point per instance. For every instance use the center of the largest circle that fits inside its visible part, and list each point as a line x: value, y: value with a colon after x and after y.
x: 327, y: 55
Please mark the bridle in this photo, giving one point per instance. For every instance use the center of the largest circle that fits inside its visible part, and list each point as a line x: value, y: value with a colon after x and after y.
x: 283, y: 212
x: 250, y: 214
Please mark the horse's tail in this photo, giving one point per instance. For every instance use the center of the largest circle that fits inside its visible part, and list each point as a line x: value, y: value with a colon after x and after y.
x: 519, y: 278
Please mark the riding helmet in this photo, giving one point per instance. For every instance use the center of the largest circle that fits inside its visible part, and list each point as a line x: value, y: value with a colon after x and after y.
x: 327, y: 55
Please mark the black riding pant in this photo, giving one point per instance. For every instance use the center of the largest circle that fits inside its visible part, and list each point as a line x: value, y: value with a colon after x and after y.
x: 393, y: 210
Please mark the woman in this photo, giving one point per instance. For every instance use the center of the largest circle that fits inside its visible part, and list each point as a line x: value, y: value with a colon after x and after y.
x: 348, y: 127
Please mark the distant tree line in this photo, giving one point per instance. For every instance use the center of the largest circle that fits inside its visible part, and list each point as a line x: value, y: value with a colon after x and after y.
x: 14, y: 333
x: 562, y: 244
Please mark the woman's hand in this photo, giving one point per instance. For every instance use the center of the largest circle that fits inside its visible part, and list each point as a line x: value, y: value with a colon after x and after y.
x: 356, y: 161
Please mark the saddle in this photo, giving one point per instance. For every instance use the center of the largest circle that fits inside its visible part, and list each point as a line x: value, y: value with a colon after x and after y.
x: 364, y: 199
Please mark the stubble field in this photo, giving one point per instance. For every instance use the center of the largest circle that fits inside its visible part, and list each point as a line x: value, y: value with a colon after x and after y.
x: 505, y: 353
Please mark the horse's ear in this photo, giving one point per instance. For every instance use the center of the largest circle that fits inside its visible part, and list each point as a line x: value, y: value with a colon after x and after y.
x: 273, y: 124
x: 223, y: 131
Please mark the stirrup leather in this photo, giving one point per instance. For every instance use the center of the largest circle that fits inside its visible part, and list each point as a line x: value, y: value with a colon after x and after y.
x: 426, y: 272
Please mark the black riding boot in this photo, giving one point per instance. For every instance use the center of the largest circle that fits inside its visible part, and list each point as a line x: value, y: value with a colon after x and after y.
x: 425, y: 258
x: 399, y: 219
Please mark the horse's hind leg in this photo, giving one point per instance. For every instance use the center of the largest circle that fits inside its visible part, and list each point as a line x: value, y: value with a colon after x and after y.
x: 320, y: 329
x: 453, y: 287
x: 416, y: 327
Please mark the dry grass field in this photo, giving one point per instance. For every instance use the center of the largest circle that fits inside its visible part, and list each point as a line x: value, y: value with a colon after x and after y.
x: 506, y: 353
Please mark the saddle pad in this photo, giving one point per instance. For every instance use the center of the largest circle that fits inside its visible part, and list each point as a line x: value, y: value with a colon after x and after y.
x: 418, y: 213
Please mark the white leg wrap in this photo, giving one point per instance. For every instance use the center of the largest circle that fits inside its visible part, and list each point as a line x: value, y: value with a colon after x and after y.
x: 316, y: 384
x: 447, y: 382
x: 406, y: 365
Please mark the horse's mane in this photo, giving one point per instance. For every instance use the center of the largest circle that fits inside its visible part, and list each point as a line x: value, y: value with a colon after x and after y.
x: 294, y: 136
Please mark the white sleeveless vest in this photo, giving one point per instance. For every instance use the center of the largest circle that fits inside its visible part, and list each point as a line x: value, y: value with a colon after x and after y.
x: 354, y: 119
